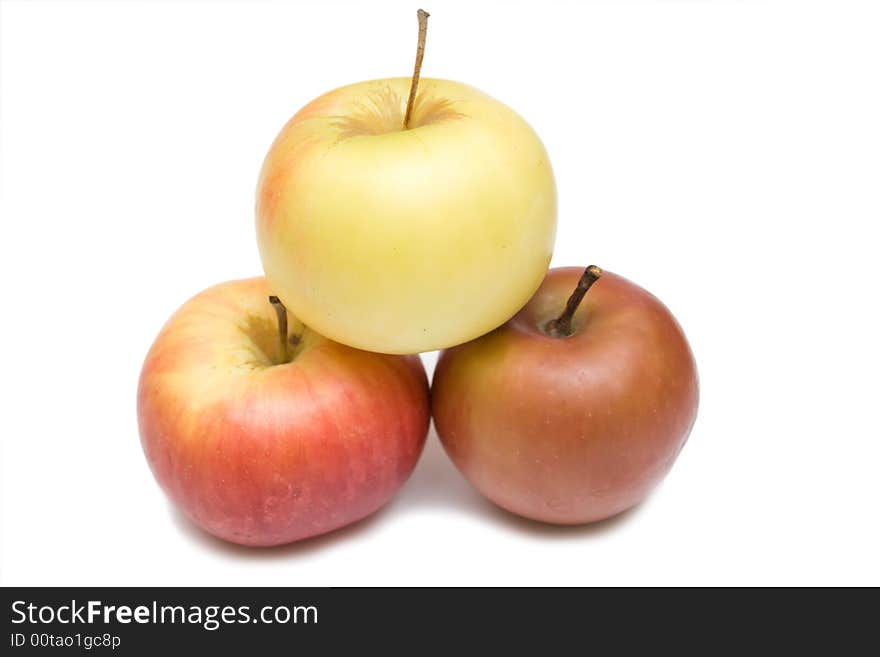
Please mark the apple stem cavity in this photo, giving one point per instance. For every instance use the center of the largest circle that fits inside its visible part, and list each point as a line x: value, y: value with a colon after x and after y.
x: 420, y: 53
x: 561, y: 326
x: 281, y: 312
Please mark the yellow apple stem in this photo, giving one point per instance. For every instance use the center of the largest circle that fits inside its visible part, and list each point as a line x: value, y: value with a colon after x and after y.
x: 561, y: 326
x: 281, y: 312
x: 420, y: 53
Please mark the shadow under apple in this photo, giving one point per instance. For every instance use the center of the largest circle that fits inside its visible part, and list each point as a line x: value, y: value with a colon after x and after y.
x: 300, y: 548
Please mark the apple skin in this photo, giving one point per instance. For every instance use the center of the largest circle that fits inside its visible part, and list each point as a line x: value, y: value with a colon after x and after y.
x: 576, y: 429
x: 402, y: 241
x: 263, y: 454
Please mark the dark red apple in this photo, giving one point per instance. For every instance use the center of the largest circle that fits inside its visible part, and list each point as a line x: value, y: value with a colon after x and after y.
x: 263, y: 441
x: 570, y: 423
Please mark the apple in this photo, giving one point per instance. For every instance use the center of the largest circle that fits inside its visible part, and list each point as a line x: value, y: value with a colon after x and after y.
x: 402, y: 235
x: 570, y: 412
x: 263, y: 441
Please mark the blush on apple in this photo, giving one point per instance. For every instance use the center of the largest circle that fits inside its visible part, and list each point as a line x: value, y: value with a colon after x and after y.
x: 263, y: 440
x: 573, y: 411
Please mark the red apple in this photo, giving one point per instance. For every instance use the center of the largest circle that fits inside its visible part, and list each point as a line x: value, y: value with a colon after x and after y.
x: 261, y: 442
x: 570, y: 424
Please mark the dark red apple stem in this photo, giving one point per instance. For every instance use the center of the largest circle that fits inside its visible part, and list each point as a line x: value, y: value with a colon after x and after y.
x: 281, y: 312
x: 561, y: 326
x: 420, y: 53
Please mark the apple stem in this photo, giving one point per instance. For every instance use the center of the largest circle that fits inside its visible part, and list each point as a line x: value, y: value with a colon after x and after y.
x: 281, y: 312
x: 561, y: 326
x: 420, y: 53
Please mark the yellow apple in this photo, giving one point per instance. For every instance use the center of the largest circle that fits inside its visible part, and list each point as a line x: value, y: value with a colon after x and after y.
x: 405, y: 240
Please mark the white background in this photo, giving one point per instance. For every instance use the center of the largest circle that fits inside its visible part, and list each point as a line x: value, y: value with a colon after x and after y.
x: 724, y: 155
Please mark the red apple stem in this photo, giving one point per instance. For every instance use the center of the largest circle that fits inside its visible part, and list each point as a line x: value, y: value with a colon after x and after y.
x: 281, y: 312
x: 561, y: 326
x: 420, y: 53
